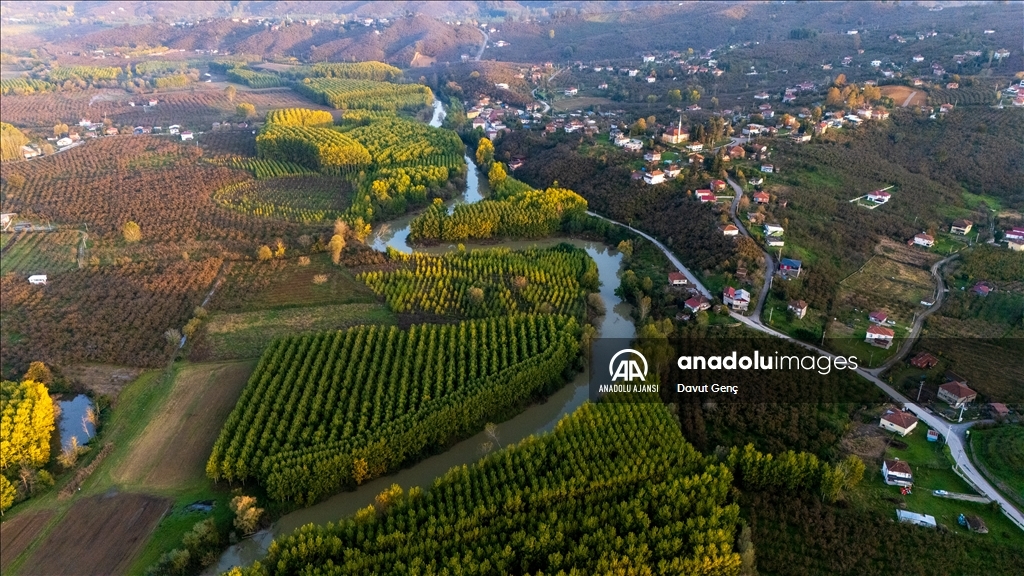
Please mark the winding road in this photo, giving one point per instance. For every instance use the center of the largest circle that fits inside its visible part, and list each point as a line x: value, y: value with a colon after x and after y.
x: 769, y: 263
x: 954, y: 435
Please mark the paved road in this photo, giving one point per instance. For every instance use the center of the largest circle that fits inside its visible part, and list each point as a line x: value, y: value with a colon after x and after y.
x: 954, y: 436
x: 769, y: 263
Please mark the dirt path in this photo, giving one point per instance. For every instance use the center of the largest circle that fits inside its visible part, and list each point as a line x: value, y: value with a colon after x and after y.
x: 81, y: 251
x: 174, y: 446
x: 909, y: 98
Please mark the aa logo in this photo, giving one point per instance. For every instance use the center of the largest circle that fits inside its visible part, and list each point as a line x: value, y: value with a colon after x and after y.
x: 627, y: 369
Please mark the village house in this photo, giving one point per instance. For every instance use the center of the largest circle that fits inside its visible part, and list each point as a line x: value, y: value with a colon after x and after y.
x: 898, y: 421
x: 186, y: 135
x: 767, y: 168
x: 729, y: 230
x: 878, y: 317
x: 961, y: 227
x: 773, y: 230
x: 737, y: 152
x: 880, y: 336
x: 697, y: 303
x: 774, y: 242
x: 897, y: 473
x: 652, y: 157
x: 801, y: 138
x: 705, y: 196
x: 762, y: 96
x: 677, y: 279
x: 789, y: 266
x: 998, y: 410
x: 736, y: 298
x: 981, y: 289
x: 39, y: 279
x: 924, y: 361
x: 956, y: 394
x: 1015, y: 234
x: 694, y: 147
x: 696, y: 158
x: 1015, y: 245
x: 945, y: 108
x: 655, y: 177
x: 30, y: 152
x: 879, y: 196
x: 717, y: 185
x: 761, y: 197
x: 633, y: 145
x: 798, y: 308
x: 756, y: 180
x: 923, y: 239
x: 672, y: 171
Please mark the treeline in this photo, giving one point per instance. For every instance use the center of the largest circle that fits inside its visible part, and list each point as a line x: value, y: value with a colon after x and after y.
x: 378, y: 71
x: 320, y: 149
x: 614, y: 489
x: 11, y: 141
x: 252, y: 78
x: 365, y: 94
x: 514, y: 209
x: 27, y: 422
x: 326, y: 411
x: 495, y: 282
x: 803, y: 535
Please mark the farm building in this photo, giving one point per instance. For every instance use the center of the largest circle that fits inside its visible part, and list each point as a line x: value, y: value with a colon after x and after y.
x: 789, y: 266
x: 925, y: 240
x: 961, y: 227
x: 677, y: 279
x: 37, y: 279
x: 923, y: 520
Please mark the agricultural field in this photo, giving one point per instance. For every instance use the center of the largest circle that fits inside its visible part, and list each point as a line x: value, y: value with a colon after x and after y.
x: 483, y: 283
x: 526, y: 504
x: 252, y: 78
x: 1000, y: 449
x: 193, y: 109
x: 390, y: 406
x: 18, y: 532
x: 905, y: 95
x: 288, y: 283
x: 111, y: 314
x: 343, y: 94
x: 171, y: 451
x: 298, y: 198
x: 42, y: 253
x: 884, y: 284
x: 229, y: 335
x: 98, y: 535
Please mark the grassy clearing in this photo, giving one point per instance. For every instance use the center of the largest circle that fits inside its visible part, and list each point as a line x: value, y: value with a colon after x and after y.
x: 809, y: 328
x: 932, y: 468
x: 974, y: 200
x: 888, y: 285
x: 848, y: 340
x: 246, y: 334
x: 42, y: 253
x: 582, y: 103
x: 1001, y: 451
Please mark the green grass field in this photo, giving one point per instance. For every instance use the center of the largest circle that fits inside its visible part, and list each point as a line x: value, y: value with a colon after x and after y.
x: 41, y: 253
x: 1001, y: 451
x: 246, y: 334
x: 884, y: 284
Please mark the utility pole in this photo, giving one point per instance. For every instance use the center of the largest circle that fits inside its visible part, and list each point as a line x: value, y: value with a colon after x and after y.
x: 919, y: 389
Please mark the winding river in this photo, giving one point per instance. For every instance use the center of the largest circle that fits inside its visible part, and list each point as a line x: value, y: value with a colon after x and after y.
x: 536, y: 419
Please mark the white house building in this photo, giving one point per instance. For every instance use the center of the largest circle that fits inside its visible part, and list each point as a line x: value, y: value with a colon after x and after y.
x: 898, y: 421
x: 897, y: 473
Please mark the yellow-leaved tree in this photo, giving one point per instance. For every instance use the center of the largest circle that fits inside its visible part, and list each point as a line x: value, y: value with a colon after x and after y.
x: 26, y: 425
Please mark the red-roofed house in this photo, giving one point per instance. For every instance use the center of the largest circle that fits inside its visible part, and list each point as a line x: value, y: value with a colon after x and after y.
x: 999, y: 410
x: 878, y: 317
x: 718, y: 185
x: 897, y: 473
x: 736, y: 298
x: 898, y: 421
x: 705, y: 196
x: 924, y: 361
x: 981, y: 289
x: 677, y: 279
x: 761, y: 197
x: 879, y: 336
x: 879, y: 196
x: 956, y: 394
x: 1014, y: 234
x: 730, y: 230
x: 925, y: 240
x: 697, y: 303
x: 799, y: 308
